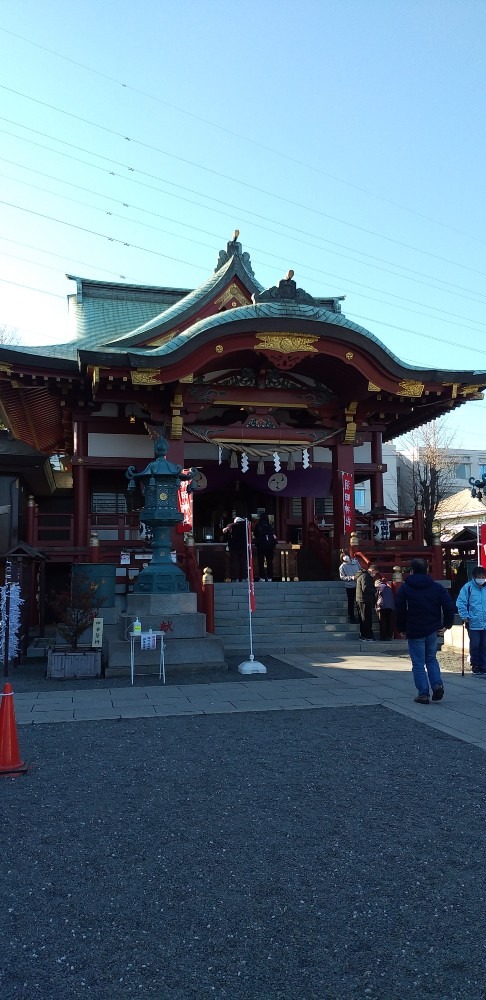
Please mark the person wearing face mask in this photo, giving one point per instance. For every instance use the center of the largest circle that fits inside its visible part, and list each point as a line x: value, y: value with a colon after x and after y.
x: 348, y: 572
x: 471, y: 606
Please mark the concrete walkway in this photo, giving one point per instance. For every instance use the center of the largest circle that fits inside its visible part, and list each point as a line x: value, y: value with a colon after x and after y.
x: 335, y: 680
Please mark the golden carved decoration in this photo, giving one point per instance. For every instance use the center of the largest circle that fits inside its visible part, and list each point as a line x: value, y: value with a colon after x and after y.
x: 286, y: 343
x: 187, y: 378
x: 373, y: 388
x: 349, y: 355
x: 219, y: 348
x: 164, y: 339
x: 176, y: 422
x: 146, y: 376
x: 163, y: 496
x: 407, y: 387
x: 5, y: 368
x: 96, y: 377
x: 471, y: 390
x: 232, y: 293
x: 351, y: 426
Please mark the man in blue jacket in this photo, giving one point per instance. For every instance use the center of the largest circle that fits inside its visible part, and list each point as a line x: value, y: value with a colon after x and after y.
x: 424, y: 610
x: 471, y: 606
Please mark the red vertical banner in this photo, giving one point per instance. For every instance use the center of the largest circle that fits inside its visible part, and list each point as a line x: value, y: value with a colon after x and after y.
x: 184, y: 499
x: 482, y: 545
x: 348, y: 502
x: 251, y: 581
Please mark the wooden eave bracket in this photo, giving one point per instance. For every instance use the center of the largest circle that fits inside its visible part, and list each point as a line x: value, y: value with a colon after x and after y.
x: 351, y: 425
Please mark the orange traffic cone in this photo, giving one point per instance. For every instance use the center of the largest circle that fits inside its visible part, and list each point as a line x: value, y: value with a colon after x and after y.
x: 10, y: 762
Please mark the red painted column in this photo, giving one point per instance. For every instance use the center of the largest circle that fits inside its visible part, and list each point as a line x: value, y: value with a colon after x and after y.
x: 376, y: 483
x: 342, y: 461
x: 80, y: 486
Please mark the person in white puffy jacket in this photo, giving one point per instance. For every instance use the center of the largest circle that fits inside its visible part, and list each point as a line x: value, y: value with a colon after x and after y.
x: 348, y: 572
x: 471, y: 606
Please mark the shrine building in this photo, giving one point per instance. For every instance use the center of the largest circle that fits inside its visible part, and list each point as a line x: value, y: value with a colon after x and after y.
x: 278, y: 400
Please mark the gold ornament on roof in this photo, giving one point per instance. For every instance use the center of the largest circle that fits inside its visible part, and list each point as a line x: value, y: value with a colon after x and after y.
x: 232, y: 293
x: 286, y: 343
x: 373, y: 388
x: 407, y: 387
x: 471, y: 390
x: 146, y: 376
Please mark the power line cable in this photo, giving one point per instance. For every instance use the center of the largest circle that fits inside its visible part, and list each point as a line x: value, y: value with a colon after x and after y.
x: 448, y: 288
x: 156, y: 253
x: 404, y: 329
x: 237, y: 135
x: 42, y: 291
x: 50, y: 267
x: 234, y: 180
x: 186, y: 225
x: 96, y: 208
x: 104, y: 236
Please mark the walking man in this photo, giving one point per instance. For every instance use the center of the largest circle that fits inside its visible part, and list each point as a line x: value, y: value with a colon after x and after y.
x: 423, y: 611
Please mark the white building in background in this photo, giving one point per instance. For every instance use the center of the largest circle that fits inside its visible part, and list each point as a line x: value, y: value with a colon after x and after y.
x: 468, y: 463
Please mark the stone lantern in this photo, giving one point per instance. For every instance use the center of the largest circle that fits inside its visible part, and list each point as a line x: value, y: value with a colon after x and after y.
x: 160, y: 481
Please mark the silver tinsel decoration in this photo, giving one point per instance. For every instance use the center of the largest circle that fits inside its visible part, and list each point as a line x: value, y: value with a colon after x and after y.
x: 16, y: 602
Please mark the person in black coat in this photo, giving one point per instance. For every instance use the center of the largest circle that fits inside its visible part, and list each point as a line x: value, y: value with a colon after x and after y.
x: 424, y: 610
x: 265, y: 541
x: 238, y: 548
x: 365, y: 602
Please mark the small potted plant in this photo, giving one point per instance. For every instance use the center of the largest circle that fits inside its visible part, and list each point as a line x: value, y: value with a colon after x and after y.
x: 74, y: 612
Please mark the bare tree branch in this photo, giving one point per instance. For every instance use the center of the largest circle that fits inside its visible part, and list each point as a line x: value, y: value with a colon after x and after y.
x: 428, y: 466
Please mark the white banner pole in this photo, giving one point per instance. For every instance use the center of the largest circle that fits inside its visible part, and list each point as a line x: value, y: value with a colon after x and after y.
x: 250, y: 666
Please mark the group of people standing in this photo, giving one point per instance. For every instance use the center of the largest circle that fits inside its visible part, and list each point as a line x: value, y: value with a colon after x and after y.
x: 265, y: 541
x: 367, y: 589
x: 421, y: 611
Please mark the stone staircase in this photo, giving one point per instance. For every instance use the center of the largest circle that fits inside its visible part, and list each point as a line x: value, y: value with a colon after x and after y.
x: 289, y: 618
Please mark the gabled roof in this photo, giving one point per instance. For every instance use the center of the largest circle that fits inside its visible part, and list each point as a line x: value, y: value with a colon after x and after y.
x: 192, y: 303
x: 461, y: 503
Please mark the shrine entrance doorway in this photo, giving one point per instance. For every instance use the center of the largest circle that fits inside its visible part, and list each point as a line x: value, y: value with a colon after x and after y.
x: 214, y: 510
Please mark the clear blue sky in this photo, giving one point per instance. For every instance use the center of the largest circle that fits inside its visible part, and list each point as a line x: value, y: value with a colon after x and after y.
x: 345, y: 140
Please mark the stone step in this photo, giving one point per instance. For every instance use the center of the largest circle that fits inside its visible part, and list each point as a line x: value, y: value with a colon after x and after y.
x: 282, y: 613
x: 275, y: 601
x: 328, y: 587
x: 264, y: 628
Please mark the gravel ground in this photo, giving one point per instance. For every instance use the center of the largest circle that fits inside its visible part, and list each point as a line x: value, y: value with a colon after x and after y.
x: 31, y: 676
x: 318, y: 855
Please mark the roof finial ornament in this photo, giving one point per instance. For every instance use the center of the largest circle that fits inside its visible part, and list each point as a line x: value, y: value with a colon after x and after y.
x: 234, y: 249
x: 286, y: 290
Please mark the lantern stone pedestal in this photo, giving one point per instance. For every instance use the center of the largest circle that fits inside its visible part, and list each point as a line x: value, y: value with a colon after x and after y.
x: 188, y: 647
x: 161, y: 599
